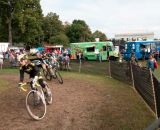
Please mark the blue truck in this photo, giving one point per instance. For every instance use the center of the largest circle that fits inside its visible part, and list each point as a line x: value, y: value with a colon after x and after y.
x: 140, y: 49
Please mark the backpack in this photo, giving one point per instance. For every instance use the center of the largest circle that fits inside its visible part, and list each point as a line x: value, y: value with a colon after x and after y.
x: 155, y: 64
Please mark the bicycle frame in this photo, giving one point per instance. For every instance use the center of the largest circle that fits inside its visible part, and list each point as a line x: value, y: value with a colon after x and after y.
x: 37, y: 87
x: 39, y: 95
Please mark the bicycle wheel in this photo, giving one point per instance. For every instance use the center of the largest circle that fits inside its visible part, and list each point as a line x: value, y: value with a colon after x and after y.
x: 59, y: 77
x: 47, y: 94
x: 54, y: 75
x: 47, y: 75
x: 36, y: 105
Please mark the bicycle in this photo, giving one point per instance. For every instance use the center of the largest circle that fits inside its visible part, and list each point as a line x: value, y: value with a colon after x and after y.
x: 52, y: 72
x: 57, y: 75
x: 37, y: 99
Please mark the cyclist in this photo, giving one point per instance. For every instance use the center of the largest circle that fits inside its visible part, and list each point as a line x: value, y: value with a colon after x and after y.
x: 30, y: 68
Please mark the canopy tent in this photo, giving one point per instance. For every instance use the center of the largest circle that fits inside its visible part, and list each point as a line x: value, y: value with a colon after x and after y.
x: 40, y: 48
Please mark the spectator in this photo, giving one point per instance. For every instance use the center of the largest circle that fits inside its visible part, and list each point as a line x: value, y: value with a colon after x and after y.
x: 108, y: 56
x: 100, y: 56
x: 69, y: 52
x: 97, y: 53
x: 77, y: 55
x: 120, y: 57
x: 156, y: 55
x: 7, y: 55
x: 4, y: 56
x: 133, y: 59
x: 12, y: 58
x: 80, y: 55
x: 150, y: 63
x: 1, y: 60
x: 143, y: 54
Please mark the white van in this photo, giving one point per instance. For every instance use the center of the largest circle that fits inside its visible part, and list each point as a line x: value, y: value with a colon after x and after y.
x: 4, y: 46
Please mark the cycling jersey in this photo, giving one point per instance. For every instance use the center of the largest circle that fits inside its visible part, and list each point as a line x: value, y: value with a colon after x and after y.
x: 30, y: 69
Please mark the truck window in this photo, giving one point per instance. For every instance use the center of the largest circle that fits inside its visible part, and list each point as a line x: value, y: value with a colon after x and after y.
x: 90, y: 49
x: 104, y: 48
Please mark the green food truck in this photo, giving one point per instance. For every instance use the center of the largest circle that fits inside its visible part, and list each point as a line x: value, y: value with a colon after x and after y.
x: 94, y: 50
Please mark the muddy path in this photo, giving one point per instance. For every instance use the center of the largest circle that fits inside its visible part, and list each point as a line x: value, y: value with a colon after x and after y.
x: 77, y: 105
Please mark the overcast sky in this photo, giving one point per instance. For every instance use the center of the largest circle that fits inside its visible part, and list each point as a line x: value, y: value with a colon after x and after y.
x: 109, y: 16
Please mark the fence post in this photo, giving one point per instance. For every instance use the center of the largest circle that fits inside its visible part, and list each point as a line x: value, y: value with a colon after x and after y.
x: 132, y: 74
x: 80, y: 64
x: 154, y: 95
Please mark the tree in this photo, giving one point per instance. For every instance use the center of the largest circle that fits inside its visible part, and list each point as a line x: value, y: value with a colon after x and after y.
x: 61, y: 39
x: 79, y: 31
x: 52, y: 26
x: 100, y: 35
x: 28, y: 18
x: 3, y: 25
x: 7, y: 8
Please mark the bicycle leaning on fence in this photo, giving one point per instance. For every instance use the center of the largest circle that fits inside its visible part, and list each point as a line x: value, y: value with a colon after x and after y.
x: 37, y: 98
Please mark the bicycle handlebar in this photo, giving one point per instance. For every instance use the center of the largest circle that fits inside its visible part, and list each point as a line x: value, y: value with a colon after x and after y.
x: 21, y: 86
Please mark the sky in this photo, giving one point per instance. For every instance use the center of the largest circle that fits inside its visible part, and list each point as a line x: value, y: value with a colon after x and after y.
x: 109, y: 16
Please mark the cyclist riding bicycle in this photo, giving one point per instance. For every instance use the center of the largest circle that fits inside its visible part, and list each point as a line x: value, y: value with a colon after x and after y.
x: 30, y: 68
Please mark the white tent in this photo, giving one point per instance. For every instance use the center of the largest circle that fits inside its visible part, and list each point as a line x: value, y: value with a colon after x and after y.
x: 4, y: 46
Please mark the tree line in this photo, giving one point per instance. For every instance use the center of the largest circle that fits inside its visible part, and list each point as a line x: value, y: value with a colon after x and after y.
x: 22, y: 21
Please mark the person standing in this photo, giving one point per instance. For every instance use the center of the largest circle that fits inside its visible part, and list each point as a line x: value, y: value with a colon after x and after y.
x: 97, y: 53
x: 133, y: 59
x: 156, y: 55
x: 143, y: 54
x: 150, y: 63
x: 1, y: 60
x: 100, y: 55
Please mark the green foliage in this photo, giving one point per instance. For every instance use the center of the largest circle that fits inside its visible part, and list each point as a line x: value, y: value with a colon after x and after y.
x: 79, y: 31
x: 23, y: 20
x: 52, y: 26
x: 4, y: 15
x: 100, y: 35
x: 61, y: 39
x: 28, y: 19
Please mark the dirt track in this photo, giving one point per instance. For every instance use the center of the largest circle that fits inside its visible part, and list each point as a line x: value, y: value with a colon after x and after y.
x: 74, y: 107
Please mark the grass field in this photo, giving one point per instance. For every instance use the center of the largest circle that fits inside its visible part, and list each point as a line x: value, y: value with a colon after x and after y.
x: 91, y: 67
x: 121, y: 107
x: 127, y: 110
x: 157, y: 71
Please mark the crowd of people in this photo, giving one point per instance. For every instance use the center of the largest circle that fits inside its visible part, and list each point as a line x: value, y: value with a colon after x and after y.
x: 10, y: 55
x: 62, y: 58
x: 151, y: 62
x: 55, y: 56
